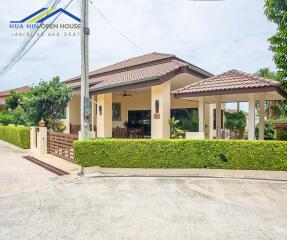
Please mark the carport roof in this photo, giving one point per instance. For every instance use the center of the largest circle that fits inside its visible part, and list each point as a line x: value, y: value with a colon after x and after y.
x: 230, y: 82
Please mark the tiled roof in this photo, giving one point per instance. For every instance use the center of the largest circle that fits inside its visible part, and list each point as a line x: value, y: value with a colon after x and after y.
x: 17, y: 90
x: 7, y: 93
x: 147, y: 58
x: 142, y: 68
x: 231, y: 80
x: 144, y: 73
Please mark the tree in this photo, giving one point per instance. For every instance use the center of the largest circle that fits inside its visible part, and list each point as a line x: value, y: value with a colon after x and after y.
x: 269, y: 132
x: 175, y: 130
x: 13, y: 101
x: 276, y: 11
x: 190, y: 121
x: 5, y: 118
x: 47, y: 101
x: 235, y: 122
x: 274, y: 109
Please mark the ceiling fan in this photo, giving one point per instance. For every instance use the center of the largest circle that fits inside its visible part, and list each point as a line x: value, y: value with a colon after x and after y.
x: 125, y: 94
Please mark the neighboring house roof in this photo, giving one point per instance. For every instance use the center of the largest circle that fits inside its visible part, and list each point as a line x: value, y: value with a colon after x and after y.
x: 7, y: 93
x: 149, y: 67
x: 231, y: 82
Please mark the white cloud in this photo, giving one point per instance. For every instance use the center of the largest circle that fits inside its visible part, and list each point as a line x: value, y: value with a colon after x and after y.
x: 213, y: 35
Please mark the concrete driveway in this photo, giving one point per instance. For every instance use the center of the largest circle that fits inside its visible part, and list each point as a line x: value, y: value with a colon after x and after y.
x: 138, y: 208
x: 18, y: 174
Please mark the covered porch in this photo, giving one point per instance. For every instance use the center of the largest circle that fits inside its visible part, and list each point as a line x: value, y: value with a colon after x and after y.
x: 229, y: 87
x: 133, y: 98
x: 141, y: 111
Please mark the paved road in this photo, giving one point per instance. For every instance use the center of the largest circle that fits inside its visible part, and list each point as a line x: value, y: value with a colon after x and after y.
x: 18, y: 174
x: 143, y: 208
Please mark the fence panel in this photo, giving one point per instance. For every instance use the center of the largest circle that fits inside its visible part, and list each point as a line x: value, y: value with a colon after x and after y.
x: 61, y: 145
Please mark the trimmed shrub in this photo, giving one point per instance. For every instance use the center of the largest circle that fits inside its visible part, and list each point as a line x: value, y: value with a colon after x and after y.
x: 19, y: 136
x: 182, y: 153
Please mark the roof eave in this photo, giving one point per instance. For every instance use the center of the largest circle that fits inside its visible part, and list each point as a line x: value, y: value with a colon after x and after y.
x: 277, y: 89
x: 118, y: 85
x: 145, y: 82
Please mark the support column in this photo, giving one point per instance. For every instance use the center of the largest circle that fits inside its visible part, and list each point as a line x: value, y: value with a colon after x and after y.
x: 261, y: 116
x: 211, y: 119
x: 67, y: 121
x: 104, y: 115
x: 251, y: 120
x: 238, y: 106
x: 218, y: 117
x: 201, y: 113
x: 160, y: 111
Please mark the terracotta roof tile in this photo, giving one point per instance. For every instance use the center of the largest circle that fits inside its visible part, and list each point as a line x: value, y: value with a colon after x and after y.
x: 7, y: 93
x: 146, y: 67
x: 230, y: 80
x: 17, y: 90
x: 143, y: 73
x: 147, y: 58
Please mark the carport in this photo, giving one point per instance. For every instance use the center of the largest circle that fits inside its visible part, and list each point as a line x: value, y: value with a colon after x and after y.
x: 233, y: 86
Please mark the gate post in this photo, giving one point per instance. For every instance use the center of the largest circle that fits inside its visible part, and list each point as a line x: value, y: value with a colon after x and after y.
x: 42, y: 140
x: 33, y: 139
x: 38, y: 140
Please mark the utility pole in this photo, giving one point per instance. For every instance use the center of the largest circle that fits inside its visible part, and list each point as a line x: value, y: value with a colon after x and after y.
x: 85, y: 103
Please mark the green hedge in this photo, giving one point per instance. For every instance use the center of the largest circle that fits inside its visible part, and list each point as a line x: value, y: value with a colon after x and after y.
x: 19, y: 136
x: 181, y: 153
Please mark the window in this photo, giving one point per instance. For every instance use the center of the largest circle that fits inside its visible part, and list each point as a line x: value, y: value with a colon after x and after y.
x: 140, y: 119
x: 116, y: 112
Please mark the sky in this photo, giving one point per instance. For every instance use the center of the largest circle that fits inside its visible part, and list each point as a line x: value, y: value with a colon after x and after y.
x: 216, y: 36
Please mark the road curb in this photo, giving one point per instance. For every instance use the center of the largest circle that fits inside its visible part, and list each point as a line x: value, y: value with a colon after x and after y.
x: 195, y: 173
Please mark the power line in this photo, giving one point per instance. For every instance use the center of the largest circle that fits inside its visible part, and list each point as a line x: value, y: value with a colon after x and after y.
x: 40, y: 35
x: 115, y: 28
x: 20, y: 53
x: 24, y: 44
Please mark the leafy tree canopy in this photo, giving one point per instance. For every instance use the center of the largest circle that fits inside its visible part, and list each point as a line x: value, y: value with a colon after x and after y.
x: 235, y: 121
x: 275, y: 109
x: 48, y: 100
x: 276, y: 11
x: 13, y: 101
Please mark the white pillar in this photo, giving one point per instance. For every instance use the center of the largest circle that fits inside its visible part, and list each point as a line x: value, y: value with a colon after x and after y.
x: 67, y: 120
x: 39, y: 140
x: 104, y: 115
x: 238, y: 106
x: 201, y: 113
x: 160, y: 111
x: 218, y: 117
x: 261, y: 116
x: 251, y: 120
x: 33, y: 139
x: 211, y: 119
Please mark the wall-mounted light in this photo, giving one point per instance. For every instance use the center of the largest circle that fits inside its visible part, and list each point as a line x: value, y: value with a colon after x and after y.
x: 100, y: 110
x: 156, y: 106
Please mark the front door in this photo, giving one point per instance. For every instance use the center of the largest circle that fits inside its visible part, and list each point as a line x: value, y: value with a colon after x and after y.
x: 140, y: 119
